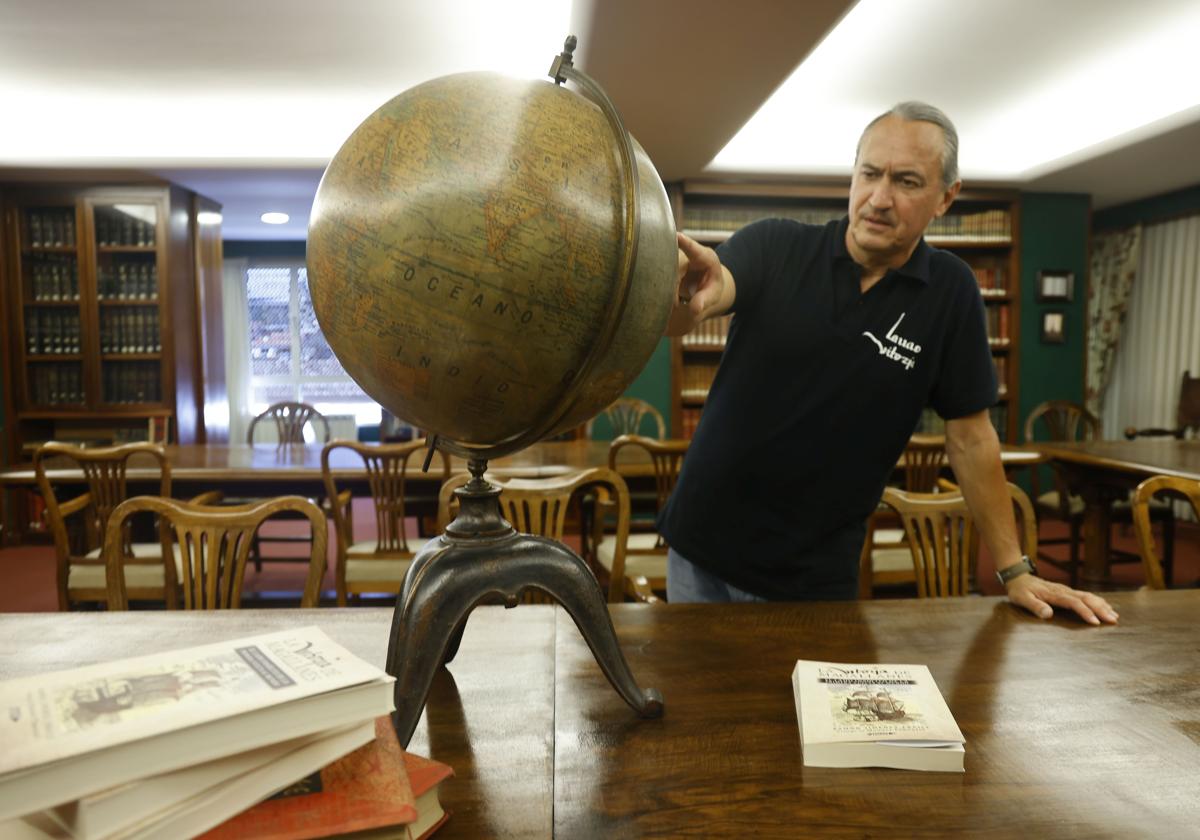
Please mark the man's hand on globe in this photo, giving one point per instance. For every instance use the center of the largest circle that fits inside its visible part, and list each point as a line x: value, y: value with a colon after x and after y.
x: 704, y: 287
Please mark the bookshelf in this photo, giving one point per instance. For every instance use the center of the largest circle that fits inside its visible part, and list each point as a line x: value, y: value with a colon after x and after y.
x: 981, y: 227
x: 104, y: 289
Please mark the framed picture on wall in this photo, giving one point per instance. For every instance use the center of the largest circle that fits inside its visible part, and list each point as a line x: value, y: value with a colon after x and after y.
x: 1054, y: 327
x: 1055, y: 285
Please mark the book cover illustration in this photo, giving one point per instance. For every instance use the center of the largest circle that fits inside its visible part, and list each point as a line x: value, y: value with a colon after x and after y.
x: 56, y: 715
x: 873, y: 702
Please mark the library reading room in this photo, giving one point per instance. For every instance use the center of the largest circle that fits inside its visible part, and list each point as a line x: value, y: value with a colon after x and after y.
x: 401, y: 375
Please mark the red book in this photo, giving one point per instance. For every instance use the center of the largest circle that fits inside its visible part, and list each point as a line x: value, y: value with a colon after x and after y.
x: 377, y: 786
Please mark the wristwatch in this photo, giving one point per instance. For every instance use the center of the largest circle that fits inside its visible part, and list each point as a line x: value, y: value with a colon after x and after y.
x: 1022, y: 566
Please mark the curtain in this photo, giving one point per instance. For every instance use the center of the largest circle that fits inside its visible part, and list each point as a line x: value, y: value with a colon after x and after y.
x: 1162, y: 336
x: 1114, y: 270
x: 237, y: 348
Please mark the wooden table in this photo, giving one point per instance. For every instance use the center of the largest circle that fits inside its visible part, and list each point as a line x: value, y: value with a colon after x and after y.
x: 265, y: 468
x: 262, y: 470
x: 1103, y: 471
x: 1072, y: 731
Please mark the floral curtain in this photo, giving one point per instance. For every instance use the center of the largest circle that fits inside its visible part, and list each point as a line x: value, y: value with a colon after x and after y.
x: 1114, y: 269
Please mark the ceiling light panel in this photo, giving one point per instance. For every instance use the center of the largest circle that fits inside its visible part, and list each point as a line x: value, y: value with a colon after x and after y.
x: 1093, y: 72
x: 271, y: 83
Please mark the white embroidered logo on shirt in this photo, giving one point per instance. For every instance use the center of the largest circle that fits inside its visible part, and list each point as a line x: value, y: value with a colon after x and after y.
x: 892, y: 351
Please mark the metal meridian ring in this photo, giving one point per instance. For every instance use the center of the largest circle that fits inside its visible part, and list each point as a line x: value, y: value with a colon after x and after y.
x: 629, y: 244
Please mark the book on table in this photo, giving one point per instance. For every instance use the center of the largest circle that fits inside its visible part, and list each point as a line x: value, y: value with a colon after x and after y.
x: 874, y: 715
x: 189, y: 801
x: 71, y: 734
x: 379, y: 789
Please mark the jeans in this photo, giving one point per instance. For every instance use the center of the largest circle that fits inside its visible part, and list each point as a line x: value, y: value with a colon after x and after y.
x: 689, y: 584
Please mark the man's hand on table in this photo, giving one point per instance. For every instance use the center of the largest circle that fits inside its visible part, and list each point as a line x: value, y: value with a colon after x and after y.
x: 1040, y: 596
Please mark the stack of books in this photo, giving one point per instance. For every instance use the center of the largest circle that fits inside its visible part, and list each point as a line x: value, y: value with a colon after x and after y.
x: 182, y: 743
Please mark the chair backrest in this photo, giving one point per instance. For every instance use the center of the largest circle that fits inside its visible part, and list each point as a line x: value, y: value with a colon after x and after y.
x: 1187, y: 416
x: 924, y: 459
x: 666, y: 456
x: 386, y: 465
x: 290, y: 419
x: 538, y: 506
x: 942, y: 538
x: 213, y: 543
x: 1062, y: 420
x: 626, y: 414
x: 104, y: 471
x: 1059, y: 420
x: 1142, y: 497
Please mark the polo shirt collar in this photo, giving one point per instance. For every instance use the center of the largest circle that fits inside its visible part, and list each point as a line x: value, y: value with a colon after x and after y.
x: 917, y: 266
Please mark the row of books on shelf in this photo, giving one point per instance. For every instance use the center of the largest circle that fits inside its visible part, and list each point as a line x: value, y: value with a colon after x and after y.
x: 710, y: 333
x: 119, y: 229
x: 725, y: 219
x: 283, y: 735
x: 54, y: 277
x: 56, y: 384
x: 986, y: 225
x: 695, y: 380
x: 689, y: 420
x: 51, y: 228
x: 132, y: 382
x: 1001, y: 363
x: 997, y: 324
x: 128, y: 281
x: 51, y: 331
x: 992, y: 280
x: 130, y: 330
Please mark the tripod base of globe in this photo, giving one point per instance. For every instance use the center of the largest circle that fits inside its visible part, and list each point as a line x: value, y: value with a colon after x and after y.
x: 481, y: 559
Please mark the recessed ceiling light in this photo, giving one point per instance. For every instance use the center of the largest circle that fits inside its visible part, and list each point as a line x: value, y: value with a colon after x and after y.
x: 275, y: 218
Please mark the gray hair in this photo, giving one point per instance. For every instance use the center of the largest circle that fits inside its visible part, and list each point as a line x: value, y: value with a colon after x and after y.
x: 914, y: 111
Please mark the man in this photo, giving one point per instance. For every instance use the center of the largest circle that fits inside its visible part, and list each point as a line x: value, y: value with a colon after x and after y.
x: 841, y: 335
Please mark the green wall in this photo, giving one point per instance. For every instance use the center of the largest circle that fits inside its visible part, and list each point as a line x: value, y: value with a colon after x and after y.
x: 1054, y: 236
x: 653, y: 385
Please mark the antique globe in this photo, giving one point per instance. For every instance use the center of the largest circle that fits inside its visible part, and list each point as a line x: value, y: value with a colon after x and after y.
x: 492, y: 259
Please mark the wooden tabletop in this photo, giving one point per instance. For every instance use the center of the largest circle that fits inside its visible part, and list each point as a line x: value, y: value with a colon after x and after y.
x: 1071, y: 731
x: 265, y: 463
x: 268, y: 463
x: 1144, y: 456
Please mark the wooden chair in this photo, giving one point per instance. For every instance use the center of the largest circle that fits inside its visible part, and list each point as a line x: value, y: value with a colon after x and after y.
x: 539, y: 506
x: 290, y: 418
x: 626, y: 416
x: 79, y: 570
x: 1062, y: 420
x: 645, y: 551
x: 942, y: 540
x: 1142, y: 498
x: 885, y: 560
x: 377, y: 565
x: 1187, y: 413
x: 212, y: 544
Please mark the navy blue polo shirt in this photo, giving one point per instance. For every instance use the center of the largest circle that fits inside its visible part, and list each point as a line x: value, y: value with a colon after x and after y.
x: 818, y: 391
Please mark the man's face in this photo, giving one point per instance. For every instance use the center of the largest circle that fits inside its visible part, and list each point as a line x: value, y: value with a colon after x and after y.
x: 896, y: 190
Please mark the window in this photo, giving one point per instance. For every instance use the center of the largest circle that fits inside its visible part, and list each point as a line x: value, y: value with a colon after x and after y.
x: 289, y: 357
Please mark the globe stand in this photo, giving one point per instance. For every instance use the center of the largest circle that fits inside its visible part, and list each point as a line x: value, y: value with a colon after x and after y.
x: 482, y: 559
